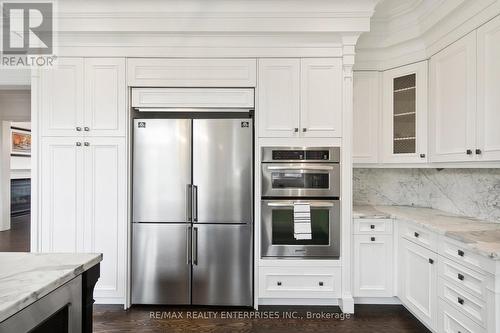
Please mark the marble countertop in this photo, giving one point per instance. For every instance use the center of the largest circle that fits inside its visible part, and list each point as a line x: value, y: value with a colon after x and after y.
x: 480, y: 236
x: 27, y: 277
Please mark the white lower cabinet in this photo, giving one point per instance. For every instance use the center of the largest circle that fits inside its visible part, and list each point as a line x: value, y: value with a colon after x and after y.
x: 418, y: 281
x: 452, y: 321
x: 83, y: 204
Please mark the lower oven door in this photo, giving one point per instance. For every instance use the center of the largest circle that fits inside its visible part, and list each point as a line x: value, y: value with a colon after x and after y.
x: 277, y: 229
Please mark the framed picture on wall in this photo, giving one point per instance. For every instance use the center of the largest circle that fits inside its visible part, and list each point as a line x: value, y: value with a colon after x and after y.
x: 21, y: 142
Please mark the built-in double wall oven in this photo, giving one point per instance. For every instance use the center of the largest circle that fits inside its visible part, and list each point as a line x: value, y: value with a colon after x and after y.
x: 300, y: 206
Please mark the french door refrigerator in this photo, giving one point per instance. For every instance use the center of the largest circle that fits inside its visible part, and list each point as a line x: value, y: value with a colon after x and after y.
x: 192, y: 212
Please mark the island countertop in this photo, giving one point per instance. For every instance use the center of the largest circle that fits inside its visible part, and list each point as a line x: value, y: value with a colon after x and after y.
x: 27, y: 277
x: 482, y: 237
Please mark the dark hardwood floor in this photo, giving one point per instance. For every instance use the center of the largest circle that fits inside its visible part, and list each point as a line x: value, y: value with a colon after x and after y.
x: 17, y: 239
x: 367, y: 319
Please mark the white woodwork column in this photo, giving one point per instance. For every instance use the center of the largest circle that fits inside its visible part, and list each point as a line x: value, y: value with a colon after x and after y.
x: 347, y: 301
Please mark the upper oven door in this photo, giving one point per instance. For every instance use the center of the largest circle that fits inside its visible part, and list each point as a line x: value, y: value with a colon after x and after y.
x: 300, y: 179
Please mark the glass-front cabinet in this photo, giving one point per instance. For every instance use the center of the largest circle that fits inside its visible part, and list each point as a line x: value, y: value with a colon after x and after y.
x: 404, y: 121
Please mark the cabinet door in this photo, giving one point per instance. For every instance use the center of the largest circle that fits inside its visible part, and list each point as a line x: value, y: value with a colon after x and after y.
x: 61, y: 188
x: 105, y: 97
x: 105, y: 202
x: 453, y: 101
x: 404, y: 121
x: 373, y: 266
x: 321, y: 97
x: 488, y: 81
x: 418, y: 274
x: 366, y: 95
x: 62, y: 98
x: 278, y: 97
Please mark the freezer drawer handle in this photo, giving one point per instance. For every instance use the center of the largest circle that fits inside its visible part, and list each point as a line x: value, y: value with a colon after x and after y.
x: 195, y: 246
x: 290, y: 204
x: 188, y: 250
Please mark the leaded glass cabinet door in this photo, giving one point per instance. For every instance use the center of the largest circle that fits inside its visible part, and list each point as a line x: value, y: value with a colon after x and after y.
x: 404, y: 125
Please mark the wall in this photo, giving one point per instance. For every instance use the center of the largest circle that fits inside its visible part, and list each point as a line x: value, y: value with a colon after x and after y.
x: 468, y: 192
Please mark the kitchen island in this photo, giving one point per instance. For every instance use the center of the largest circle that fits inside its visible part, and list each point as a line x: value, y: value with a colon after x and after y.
x: 47, y: 292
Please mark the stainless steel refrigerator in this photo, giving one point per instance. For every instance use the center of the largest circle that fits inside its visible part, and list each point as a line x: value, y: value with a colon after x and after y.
x: 192, y: 212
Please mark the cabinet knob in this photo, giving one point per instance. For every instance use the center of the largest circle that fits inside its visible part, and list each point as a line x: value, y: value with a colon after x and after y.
x: 372, y: 226
x: 79, y: 129
x: 478, y: 152
x: 460, y: 277
x: 460, y: 301
x: 469, y: 152
x: 86, y: 129
x: 320, y: 283
x: 86, y: 144
x: 461, y: 253
x: 78, y: 144
x: 373, y: 239
x: 304, y: 129
x: 416, y: 234
x: 296, y: 129
x: 431, y: 261
x: 422, y: 155
x: 278, y: 283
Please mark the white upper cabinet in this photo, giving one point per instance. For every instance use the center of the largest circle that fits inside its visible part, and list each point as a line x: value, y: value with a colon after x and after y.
x: 404, y: 114
x: 366, y: 102
x: 453, y: 101
x: 321, y: 97
x: 279, y: 97
x: 62, y: 103
x: 84, y: 98
x: 300, y: 97
x: 488, y: 91
x: 105, y: 97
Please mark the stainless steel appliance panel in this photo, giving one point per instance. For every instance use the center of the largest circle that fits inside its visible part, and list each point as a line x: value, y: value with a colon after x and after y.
x: 222, y: 170
x: 300, y: 179
x: 301, y: 154
x: 162, y: 170
x: 222, y: 264
x: 325, y: 223
x: 161, y: 270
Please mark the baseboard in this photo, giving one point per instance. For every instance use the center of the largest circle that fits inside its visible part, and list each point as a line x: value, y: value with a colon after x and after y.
x: 298, y: 301
x: 377, y: 300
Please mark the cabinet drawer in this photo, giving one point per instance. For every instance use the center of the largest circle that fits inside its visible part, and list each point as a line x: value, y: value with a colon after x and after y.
x: 372, y: 226
x: 452, y: 321
x: 421, y: 236
x: 469, y: 280
x: 459, y: 253
x: 297, y: 282
x: 467, y: 304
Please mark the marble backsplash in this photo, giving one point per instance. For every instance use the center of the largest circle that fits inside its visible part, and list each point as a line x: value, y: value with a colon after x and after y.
x: 468, y: 192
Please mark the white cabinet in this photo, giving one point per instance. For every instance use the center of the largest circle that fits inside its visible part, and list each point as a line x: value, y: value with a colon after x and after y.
x: 61, y: 195
x: 453, y: 102
x: 83, y: 203
x: 488, y: 97
x: 62, y: 102
x: 366, y: 115
x: 300, y: 97
x: 321, y: 97
x: 373, y: 268
x: 418, y: 280
x: 404, y: 114
x: 84, y: 97
x: 105, y: 97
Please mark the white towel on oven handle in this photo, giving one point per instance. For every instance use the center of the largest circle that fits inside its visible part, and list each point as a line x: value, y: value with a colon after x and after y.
x: 302, y: 221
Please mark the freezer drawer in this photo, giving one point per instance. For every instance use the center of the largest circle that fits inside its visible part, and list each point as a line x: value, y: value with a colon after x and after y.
x: 161, y: 272
x: 222, y: 264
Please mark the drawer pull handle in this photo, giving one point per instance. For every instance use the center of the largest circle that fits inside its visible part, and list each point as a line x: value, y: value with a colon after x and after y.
x: 461, y: 253
x: 373, y: 239
x: 278, y: 283
x: 372, y: 226
x: 320, y: 283
x: 461, y: 277
x: 416, y: 234
x: 431, y: 261
x: 460, y: 301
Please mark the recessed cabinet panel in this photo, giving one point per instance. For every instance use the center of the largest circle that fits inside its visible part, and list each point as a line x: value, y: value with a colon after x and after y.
x: 453, y: 101
x: 404, y: 114
x: 366, y: 114
x: 321, y: 97
x: 488, y: 83
x: 279, y: 97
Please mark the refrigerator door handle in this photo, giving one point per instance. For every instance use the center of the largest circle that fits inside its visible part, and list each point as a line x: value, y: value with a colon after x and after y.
x: 195, y: 246
x: 189, y: 202
x: 195, y: 203
x: 188, y: 247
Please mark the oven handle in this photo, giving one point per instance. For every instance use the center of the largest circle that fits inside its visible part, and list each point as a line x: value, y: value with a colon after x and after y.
x: 312, y: 204
x: 311, y: 167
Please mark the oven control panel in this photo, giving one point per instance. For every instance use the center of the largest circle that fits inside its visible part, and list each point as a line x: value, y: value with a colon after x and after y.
x: 281, y: 154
